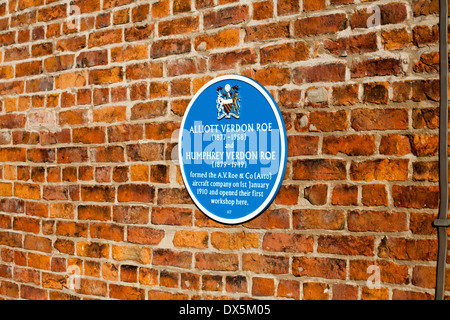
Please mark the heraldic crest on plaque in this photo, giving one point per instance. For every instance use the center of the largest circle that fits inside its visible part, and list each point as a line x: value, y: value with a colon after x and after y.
x: 227, y: 102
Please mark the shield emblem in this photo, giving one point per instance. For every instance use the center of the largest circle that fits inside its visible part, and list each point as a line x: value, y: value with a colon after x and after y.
x: 228, y: 105
x: 227, y: 102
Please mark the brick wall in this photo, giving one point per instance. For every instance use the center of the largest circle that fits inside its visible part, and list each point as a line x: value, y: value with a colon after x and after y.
x: 92, y: 92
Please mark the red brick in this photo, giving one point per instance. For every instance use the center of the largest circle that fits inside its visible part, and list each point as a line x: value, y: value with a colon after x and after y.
x: 328, y: 268
x: 353, y: 145
x: 425, y: 7
x: 312, y: 5
x: 236, y: 284
x: 376, y: 67
x: 382, y: 169
x: 173, y: 196
x: 104, y: 76
x: 302, y: 145
x: 344, y: 195
x: 423, y: 35
x: 379, y: 119
x: 26, y: 224
x: 90, y: 212
x: 144, y: 235
x: 216, y: 261
x: 139, y: 32
x: 92, y: 58
x: 391, y: 13
x: 167, y: 257
x: 316, y: 194
x: 419, y: 197
x: 232, y: 59
x: 226, y: 16
x: 396, y: 39
x: 28, y: 68
x: 376, y: 92
x: 187, y: 24
x: 37, y: 243
x: 263, y: 286
x: 377, y: 221
x: 52, y: 13
x: 163, y: 48
x: 71, y: 155
x: 345, y: 46
x: 426, y: 171
x: 345, y: 291
x: 315, y: 291
x: 267, y: 31
x: 223, y: 39
x: 98, y: 193
x: 321, y: 73
x: 424, y: 145
x: 319, y: 169
x: 102, y: 38
x: 346, y: 244
x: 271, y: 76
x: 135, y: 192
x: 409, y: 249
x: 374, y: 195
x: 394, y: 144
x: 287, y: 195
x: 259, y: 263
x: 320, y: 25
x: 92, y: 249
x: 71, y: 44
x: 271, y: 219
x: 33, y: 293
x: 71, y: 229
x: 282, y: 242
x: 389, y: 271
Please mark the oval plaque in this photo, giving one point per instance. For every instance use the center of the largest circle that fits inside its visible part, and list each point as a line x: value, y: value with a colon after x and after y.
x: 232, y: 149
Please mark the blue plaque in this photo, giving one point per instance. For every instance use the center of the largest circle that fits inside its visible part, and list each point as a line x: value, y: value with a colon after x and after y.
x: 232, y: 149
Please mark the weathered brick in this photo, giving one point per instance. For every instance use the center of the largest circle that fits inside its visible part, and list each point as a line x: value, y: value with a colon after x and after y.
x: 216, y: 261
x: 328, y: 121
x: 163, y: 48
x: 187, y: 24
x: 377, y: 221
x: 319, y: 169
x: 282, y: 242
x: 382, y: 169
x: 376, y: 67
x: 346, y: 244
x: 232, y: 59
x: 330, y: 73
x: 144, y: 235
x: 101, y: 38
x: 345, y: 46
x: 260, y: 263
x: 319, y: 267
x: 379, y: 119
x: 226, y: 16
x: 223, y: 39
x: 391, y: 13
x: 135, y: 192
x: 415, y: 196
x: 353, y: 145
x: 320, y: 25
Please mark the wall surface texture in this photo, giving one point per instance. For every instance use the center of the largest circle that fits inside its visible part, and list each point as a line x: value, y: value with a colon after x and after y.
x: 92, y: 203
